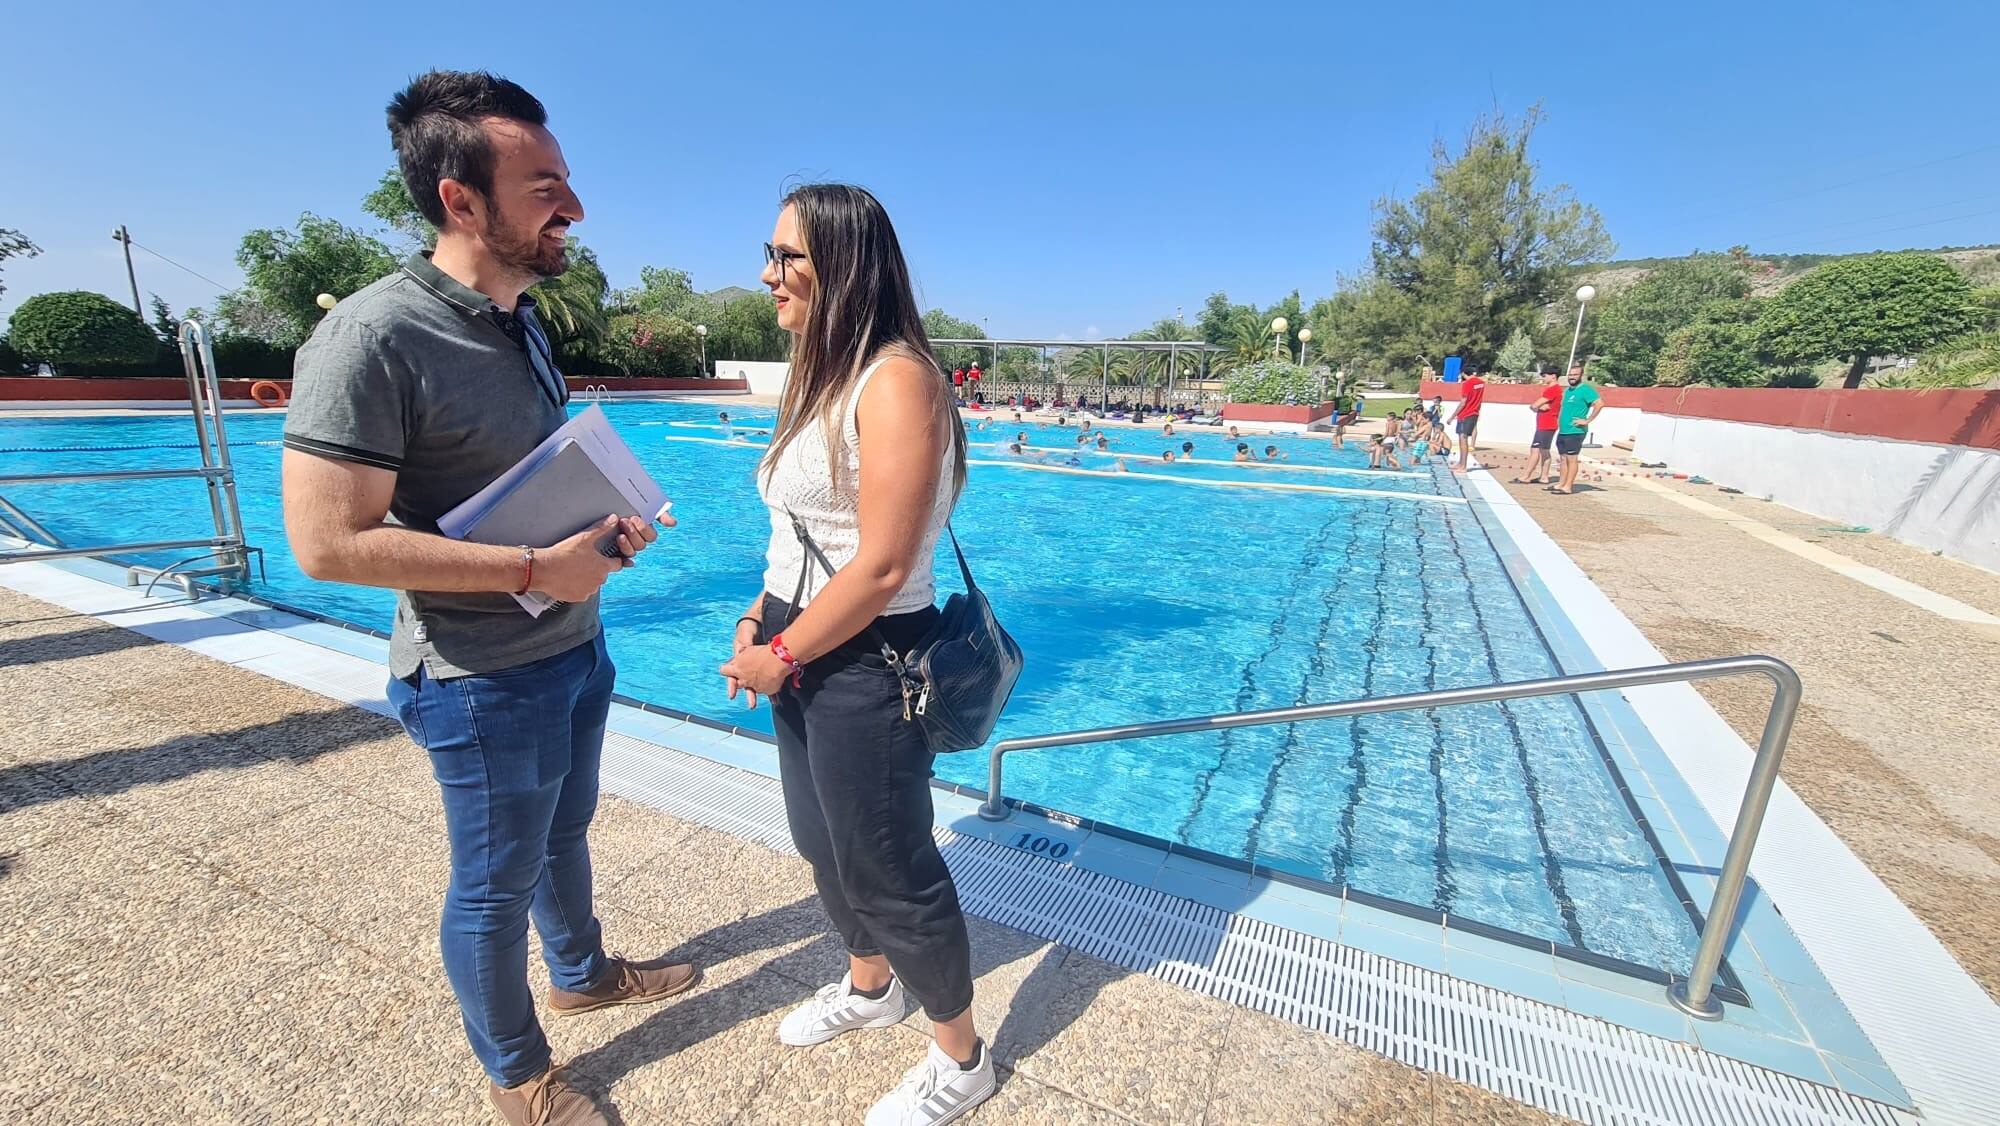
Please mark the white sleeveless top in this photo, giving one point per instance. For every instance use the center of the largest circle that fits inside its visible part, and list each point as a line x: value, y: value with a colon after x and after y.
x: 830, y: 508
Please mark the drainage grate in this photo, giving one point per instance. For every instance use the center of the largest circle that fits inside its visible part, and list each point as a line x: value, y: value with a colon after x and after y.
x: 1535, y: 1053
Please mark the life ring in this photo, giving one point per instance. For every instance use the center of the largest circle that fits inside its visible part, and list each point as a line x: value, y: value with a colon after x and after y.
x: 269, y: 394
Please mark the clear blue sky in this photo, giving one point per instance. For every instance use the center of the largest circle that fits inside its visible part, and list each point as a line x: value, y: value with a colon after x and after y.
x: 1064, y: 170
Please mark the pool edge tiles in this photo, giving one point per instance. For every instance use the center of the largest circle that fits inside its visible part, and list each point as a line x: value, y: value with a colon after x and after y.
x: 1231, y: 970
x: 1787, y: 985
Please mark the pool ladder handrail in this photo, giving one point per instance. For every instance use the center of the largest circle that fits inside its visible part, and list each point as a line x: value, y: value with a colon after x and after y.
x: 216, y: 470
x: 1693, y: 995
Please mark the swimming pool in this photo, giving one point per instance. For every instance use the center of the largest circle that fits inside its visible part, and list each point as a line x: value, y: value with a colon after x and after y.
x: 1163, y: 591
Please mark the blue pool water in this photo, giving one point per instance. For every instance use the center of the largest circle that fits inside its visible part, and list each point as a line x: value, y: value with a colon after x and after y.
x: 1137, y: 596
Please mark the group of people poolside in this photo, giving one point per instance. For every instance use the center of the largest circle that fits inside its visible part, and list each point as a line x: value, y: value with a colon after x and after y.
x: 421, y: 388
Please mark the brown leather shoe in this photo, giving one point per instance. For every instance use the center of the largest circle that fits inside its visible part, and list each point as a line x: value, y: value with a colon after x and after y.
x: 545, y: 1100
x: 626, y: 982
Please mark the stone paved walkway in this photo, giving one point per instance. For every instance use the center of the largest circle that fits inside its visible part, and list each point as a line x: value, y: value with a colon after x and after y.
x: 220, y: 898
x: 1895, y: 746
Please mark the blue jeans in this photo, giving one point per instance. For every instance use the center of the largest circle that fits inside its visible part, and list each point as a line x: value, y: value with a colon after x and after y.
x: 516, y: 756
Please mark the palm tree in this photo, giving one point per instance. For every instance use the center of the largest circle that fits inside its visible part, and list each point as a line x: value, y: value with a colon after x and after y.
x: 572, y: 305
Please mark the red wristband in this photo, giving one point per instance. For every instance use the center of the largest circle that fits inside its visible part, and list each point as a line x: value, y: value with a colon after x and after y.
x: 527, y: 569
x: 785, y: 655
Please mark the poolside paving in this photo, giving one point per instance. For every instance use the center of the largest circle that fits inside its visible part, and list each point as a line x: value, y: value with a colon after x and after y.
x: 222, y: 896
x: 1895, y: 746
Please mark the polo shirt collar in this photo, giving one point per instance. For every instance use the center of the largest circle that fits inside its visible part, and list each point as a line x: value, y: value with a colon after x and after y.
x: 458, y: 293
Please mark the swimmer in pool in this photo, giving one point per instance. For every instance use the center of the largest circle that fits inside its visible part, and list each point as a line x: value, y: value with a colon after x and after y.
x: 1243, y: 452
x: 1167, y: 456
x: 1233, y: 435
x: 1167, y: 431
x: 1103, y: 443
x: 1187, y: 449
x: 1272, y: 453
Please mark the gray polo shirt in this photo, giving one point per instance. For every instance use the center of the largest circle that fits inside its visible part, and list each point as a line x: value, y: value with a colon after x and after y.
x: 425, y: 377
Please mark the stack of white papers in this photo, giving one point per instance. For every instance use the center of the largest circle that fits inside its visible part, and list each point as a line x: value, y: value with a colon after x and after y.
x: 577, y: 476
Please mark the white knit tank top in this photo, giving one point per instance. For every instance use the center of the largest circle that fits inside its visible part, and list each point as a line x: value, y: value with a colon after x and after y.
x: 830, y: 508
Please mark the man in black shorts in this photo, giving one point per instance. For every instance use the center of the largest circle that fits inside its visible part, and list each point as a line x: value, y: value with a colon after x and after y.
x: 1471, y: 397
x: 1548, y: 412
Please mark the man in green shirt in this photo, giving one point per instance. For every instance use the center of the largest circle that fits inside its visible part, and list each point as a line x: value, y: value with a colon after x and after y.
x: 1580, y: 404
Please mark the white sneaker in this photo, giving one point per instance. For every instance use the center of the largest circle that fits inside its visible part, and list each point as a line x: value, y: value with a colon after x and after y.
x: 935, y: 1091
x: 837, y: 1008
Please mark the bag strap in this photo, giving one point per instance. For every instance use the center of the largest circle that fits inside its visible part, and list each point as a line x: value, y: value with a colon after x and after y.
x: 813, y: 552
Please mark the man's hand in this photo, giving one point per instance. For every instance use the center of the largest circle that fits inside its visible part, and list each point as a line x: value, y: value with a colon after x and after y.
x: 576, y: 568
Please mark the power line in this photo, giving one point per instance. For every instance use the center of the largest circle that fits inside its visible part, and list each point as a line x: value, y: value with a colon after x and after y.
x: 176, y: 265
x: 1896, y: 171
x: 1896, y: 214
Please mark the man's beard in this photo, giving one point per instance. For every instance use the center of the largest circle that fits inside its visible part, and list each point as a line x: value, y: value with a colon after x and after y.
x: 526, y: 252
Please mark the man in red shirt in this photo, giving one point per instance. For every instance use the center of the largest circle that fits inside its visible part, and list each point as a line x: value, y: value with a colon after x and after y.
x: 1471, y: 396
x: 1548, y: 409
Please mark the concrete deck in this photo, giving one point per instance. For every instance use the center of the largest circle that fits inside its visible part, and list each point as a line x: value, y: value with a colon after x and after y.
x: 222, y: 895
x: 1894, y: 747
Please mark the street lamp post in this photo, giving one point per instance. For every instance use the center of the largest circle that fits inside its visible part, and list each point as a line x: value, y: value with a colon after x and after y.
x: 1305, y: 338
x: 1583, y: 297
x: 701, y: 334
x: 1278, y: 327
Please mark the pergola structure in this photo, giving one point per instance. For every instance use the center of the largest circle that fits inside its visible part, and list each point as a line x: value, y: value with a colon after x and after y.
x: 1104, y: 348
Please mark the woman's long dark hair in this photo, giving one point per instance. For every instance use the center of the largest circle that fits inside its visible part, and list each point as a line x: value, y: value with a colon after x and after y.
x: 862, y: 310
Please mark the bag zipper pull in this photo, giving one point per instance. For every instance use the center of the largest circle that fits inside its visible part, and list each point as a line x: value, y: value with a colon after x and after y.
x: 906, y: 701
x: 923, y: 699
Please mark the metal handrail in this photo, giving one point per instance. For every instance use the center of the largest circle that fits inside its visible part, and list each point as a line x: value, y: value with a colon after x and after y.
x: 1693, y: 996
x: 215, y: 471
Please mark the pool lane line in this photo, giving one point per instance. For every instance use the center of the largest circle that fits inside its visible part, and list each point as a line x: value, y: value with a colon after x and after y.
x: 1330, y: 604
x: 1447, y: 888
x: 1279, y: 486
x: 1551, y: 870
x: 1357, y: 761
x: 1282, y: 467
x: 1246, y: 689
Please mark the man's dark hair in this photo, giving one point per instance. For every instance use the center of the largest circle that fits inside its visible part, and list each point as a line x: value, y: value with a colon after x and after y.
x: 435, y: 124
x: 1550, y: 369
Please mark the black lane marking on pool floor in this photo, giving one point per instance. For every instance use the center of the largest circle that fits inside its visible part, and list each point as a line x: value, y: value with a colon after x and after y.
x: 1357, y: 760
x: 1447, y: 888
x: 1551, y: 870
x: 1246, y: 691
x: 1330, y: 604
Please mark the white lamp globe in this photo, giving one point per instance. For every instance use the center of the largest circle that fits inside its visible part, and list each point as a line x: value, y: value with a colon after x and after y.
x: 326, y: 301
x: 1280, y: 325
x: 701, y: 330
x: 1585, y: 294
x: 1305, y: 334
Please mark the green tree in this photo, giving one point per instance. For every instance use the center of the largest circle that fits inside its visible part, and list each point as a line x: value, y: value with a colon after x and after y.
x: 77, y: 327
x: 940, y: 325
x: 572, y: 305
x: 1517, y: 356
x: 241, y: 314
x: 1633, y: 325
x: 14, y: 244
x: 1857, y: 308
x: 746, y: 328
x: 652, y: 344
x: 11, y: 361
x: 662, y: 289
x: 1480, y: 250
x: 391, y: 203
x: 165, y: 325
x: 1972, y: 360
x: 287, y: 270
x: 1718, y: 353
x: 1271, y: 381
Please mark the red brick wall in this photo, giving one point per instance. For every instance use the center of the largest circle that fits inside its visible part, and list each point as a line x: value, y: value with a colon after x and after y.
x: 1266, y: 412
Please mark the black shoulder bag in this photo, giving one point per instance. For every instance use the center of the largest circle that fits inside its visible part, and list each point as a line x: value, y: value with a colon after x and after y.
x: 957, y: 680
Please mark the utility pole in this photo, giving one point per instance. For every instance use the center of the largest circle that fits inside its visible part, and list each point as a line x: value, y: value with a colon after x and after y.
x: 124, y: 236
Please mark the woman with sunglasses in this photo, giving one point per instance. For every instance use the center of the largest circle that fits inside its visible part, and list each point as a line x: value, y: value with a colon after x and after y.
x: 866, y: 462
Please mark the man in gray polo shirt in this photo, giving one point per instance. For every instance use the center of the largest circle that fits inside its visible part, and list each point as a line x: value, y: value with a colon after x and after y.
x: 413, y: 394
